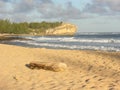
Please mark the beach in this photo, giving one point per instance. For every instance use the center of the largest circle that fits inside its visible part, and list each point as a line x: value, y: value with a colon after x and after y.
x: 87, y: 69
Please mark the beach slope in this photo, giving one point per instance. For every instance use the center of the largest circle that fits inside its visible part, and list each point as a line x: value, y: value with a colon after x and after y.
x: 87, y: 70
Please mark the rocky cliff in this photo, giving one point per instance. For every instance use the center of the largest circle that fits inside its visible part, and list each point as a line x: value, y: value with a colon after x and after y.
x: 64, y: 29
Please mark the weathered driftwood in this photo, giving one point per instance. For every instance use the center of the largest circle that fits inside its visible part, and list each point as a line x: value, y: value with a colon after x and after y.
x: 48, y: 66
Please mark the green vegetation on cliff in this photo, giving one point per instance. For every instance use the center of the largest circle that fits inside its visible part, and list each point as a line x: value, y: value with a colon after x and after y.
x: 26, y: 28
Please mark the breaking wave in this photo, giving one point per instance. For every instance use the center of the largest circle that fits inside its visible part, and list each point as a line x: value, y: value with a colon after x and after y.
x: 87, y: 41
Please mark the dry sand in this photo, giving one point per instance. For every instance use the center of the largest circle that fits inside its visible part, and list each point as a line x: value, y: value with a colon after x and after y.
x: 87, y: 70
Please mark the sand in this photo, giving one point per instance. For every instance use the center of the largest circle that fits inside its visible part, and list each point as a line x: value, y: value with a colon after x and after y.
x: 87, y: 70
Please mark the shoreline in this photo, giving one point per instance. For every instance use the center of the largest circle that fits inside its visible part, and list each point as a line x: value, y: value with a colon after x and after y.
x: 80, y: 44
x: 89, y: 50
x: 87, y: 70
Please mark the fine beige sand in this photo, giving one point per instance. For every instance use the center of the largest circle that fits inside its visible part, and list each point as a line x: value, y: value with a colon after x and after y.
x: 87, y: 70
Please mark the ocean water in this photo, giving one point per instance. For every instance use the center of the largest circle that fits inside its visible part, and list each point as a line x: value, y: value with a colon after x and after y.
x: 80, y: 41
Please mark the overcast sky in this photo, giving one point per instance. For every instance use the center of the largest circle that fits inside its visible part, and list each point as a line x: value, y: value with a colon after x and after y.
x: 88, y: 15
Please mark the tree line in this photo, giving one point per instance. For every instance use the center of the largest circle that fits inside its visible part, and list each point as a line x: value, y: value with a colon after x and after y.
x: 6, y: 26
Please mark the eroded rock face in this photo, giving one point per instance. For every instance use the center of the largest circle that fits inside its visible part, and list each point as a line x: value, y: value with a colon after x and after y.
x: 64, y: 29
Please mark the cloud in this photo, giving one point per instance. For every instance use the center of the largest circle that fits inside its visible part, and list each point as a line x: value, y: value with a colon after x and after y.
x: 102, y: 7
x: 95, y: 8
x: 114, y: 5
x: 45, y: 1
x: 3, y: 7
x: 23, y: 6
x: 2, y: 4
x: 19, y: 17
x: 6, y: 0
x: 62, y: 12
x: 46, y: 9
x: 20, y: 10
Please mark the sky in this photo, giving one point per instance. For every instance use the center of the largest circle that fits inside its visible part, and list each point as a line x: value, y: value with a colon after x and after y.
x: 88, y: 15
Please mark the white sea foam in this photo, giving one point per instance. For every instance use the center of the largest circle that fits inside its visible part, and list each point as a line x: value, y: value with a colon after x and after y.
x: 43, y: 38
x: 91, y: 41
x: 88, y: 47
x: 97, y: 33
x: 72, y: 39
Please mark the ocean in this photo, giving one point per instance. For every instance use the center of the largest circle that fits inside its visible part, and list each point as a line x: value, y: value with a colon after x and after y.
x: 107, y: 41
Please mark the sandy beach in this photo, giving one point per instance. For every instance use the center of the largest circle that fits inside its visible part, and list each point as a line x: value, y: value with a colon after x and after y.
x: 87, y: 70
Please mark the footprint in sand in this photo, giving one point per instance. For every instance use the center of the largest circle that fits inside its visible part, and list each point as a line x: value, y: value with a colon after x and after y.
x: 55, y: 88
x: 87, y: 80
x: 83, y: 86
x: 95, y: 76
x: 111, y: 86
x: 111, y: 89
x: 93, y: 87
x: 100, y: 79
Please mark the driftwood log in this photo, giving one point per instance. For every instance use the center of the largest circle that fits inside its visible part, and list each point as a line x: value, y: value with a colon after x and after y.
x: 53, y: 66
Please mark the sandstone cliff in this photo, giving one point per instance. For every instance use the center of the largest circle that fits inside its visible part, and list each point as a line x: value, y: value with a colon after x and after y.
x: 64, y: 29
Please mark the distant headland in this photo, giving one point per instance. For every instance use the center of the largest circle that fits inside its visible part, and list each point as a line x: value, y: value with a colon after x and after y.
x: 37, y: 28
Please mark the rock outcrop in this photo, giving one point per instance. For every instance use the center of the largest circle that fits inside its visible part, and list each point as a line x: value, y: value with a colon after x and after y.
x: 64, y: 29
x: 53, y: 66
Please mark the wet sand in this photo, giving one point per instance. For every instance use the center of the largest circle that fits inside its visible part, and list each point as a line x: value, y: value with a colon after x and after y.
x: 87, y: 70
